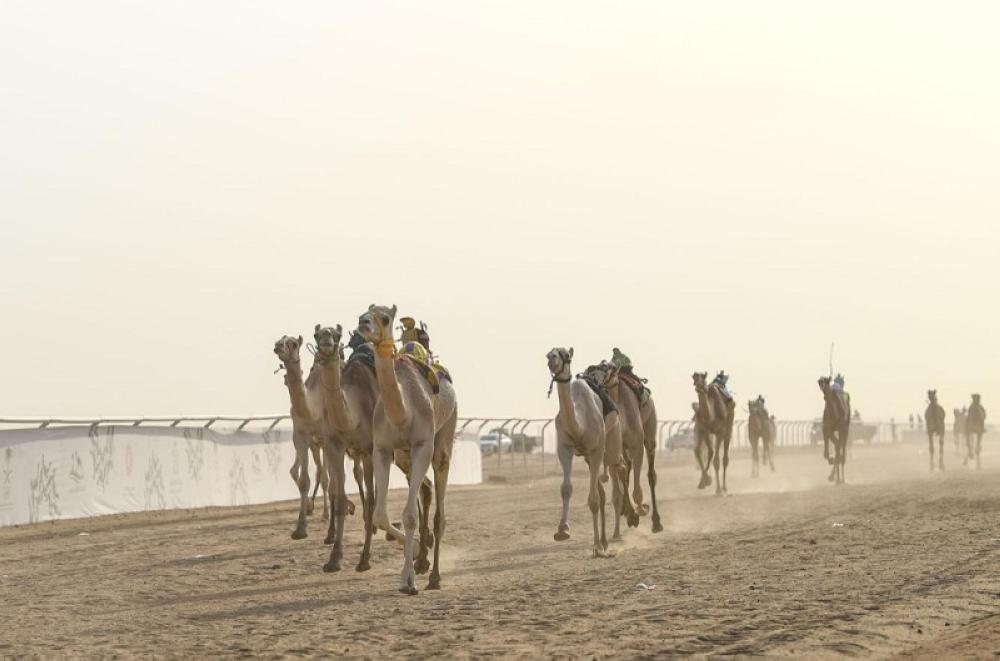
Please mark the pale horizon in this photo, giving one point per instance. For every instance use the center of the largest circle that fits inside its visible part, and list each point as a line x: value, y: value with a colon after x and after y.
x: 724, y: 186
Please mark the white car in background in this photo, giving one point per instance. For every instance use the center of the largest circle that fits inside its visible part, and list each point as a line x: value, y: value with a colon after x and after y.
x: 495, y: 442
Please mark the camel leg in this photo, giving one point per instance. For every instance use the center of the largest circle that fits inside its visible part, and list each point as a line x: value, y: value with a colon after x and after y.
x: 715, y: 464
x: 322, y: 479
x: 331, y: 493
x: 617, y: 503
x: 941, y: 452
x: 440, y: 485
x: 335, y: 471
x: 770, y: 454
x: 979, y: 450
x: 367, y: 508
x: 725, y: 464
x: 382, y: 459
x: 651, y: 476
x: 604, y: 527
x: 628, y: 510
x: 421, y: 453
x: 566, y: 461
x: 594, y: 500
x: 755, y: 470
x: 703, y: 446
x: 422, y: 564
x: 640, y: 507
x: 301, y: 442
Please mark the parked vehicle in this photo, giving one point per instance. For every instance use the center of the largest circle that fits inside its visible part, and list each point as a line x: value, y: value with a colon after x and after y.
x: 495, y: 441
x: 682, y: 440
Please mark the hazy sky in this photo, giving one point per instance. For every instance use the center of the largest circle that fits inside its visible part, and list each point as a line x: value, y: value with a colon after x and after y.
x: 705, y: 185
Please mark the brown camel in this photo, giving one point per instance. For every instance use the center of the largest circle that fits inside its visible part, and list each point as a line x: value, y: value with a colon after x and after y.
x: 581, y: 430
x: 836, y: 427
x: 637, y: 424
x: 307, y: 426
x: 702, y: 447
x: 760, y: 427
x: 409, y: 416
x: 715, y: 414
x: 350, y: 393
x: 958, y: 430
x: 975, y: 427
x: 934, y: 417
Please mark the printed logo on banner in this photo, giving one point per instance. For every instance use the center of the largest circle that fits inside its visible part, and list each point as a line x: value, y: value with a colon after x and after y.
x: 102, y: 455
x: 272, y: 451
x: 195, y: 449
x: 128, y: 460
x: 154, y: 485
x: 43, y: 492
x: 76, y: 467
x: 238, y: 494
x: 6, y: 477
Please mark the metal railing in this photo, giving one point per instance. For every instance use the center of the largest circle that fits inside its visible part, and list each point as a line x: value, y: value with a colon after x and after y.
x: 170, y: 420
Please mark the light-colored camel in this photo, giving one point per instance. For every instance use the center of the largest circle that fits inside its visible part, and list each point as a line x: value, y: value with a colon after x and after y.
x: 702, y: 447
x: 975, y: 427
x: 409, y: 416
x: 581, y: 430
x: 637, y: 424
x: 715, y: 414
x: 307, y: 426
x: 760, y: 428
x: 958, y: 429
x: 350, y: 393
x: 836, y: 427
x: 934, y: 416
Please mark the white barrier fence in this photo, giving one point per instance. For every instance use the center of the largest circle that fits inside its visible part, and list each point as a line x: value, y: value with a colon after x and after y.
x: 49, y: 472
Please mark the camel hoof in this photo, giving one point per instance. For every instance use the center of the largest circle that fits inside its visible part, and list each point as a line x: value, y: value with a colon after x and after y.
x: 299, y: 534
x: 561, y: 536
x: 350, y: 508
x: 363, y: 566
x: 421, y: 565
x: 327, y: 540
x: 643, y: 509
x: 331, y: 567
x: 408, y: 590
x: 657, y: 527
x: 433, y: 584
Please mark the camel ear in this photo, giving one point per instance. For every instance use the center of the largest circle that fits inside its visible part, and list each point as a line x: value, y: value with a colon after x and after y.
x: 316, y: 330
x: 371, y: 307
x: 300, y: 340
x: 394, y: 308
x: 571, y: 352
x: 340, y: 329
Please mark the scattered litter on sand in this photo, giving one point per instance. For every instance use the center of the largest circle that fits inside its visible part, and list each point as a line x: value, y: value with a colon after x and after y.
x: 645, y: 585
x: 839, y: 525
x: 84, y: 534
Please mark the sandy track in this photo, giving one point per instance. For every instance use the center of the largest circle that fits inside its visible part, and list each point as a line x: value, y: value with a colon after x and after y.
x: 914, y: 571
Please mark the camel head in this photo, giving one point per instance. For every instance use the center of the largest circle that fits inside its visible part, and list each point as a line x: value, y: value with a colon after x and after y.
x: 559, y: 361
x: 824, y: 384
x: 700, y: 381
x: 975, y: 399
x: 932, y: 396
x: 328, y: 346
x: 375, y: 326
x: 287, y: 349
x: 603, y: 373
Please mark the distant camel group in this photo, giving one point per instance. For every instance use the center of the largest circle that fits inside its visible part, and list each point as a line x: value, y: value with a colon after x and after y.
x: 383, y: 405
x: 387, y: 404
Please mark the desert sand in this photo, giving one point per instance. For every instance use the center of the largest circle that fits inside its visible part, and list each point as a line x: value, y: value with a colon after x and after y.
x: 898, y: 562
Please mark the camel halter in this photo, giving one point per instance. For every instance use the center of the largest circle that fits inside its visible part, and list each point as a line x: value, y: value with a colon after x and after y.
x: 555, y: 376
x: 385, y: 347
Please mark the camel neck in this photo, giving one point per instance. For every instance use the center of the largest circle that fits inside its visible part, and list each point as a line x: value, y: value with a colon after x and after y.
x: 567, y: 410
x: 296, y: 389
x: 389, y: 390
x: 704, y: 407
x: 335, y: 398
